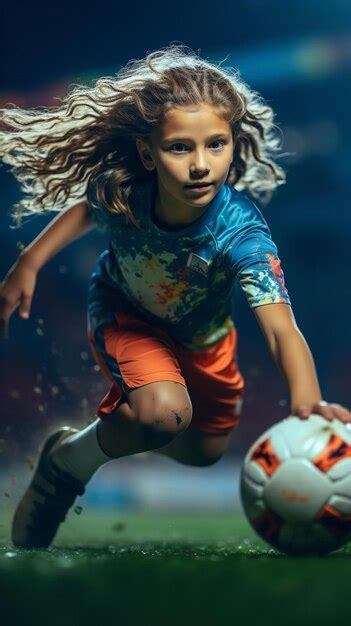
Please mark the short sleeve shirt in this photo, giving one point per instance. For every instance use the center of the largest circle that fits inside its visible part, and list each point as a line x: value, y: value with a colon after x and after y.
x: 183, y: 280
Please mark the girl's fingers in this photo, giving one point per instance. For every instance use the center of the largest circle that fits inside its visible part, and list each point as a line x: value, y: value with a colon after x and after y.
x: 302, y: 412
x: 327, y: 410
x: 5, y: 312
x: 332, y: 411
x: 25, y: 306
x: 342, y: 413
x: 7, y: 307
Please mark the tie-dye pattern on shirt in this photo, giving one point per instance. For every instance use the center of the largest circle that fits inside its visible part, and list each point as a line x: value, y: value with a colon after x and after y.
x: 183, y: 280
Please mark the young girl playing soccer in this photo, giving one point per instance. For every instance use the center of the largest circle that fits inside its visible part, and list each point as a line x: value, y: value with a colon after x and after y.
x: 159, y: 157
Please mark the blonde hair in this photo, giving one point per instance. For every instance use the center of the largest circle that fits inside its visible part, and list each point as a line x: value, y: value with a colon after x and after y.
x: 58, y: 153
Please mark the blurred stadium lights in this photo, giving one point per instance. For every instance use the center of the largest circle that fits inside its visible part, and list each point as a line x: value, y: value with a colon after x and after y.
x: 148, y: 482
x: 321, y: 137
x: 285, y: 62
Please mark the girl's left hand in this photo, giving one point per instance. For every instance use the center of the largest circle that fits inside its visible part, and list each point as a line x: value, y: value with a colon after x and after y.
x: 328, y: 410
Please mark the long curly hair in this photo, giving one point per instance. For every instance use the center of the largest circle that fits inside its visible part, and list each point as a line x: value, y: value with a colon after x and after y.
x: 58, y: 154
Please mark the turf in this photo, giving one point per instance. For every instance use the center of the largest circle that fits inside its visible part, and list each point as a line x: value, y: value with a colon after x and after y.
x: 140, y: 568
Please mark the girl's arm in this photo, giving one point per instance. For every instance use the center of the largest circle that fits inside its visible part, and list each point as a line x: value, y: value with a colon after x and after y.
x: 62, y: 230
x: 18, y: 286
x: 293, y: 357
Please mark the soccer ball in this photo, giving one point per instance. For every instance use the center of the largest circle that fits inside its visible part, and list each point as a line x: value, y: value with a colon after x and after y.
x: 296, y: 485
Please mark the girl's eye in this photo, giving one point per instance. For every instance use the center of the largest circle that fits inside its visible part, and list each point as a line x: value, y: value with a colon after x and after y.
x: 171, y: 148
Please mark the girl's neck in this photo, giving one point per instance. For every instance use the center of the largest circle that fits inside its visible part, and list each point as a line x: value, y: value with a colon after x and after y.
x: 174, y: 219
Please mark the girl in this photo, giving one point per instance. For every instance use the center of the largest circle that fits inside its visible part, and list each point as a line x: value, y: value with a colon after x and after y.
x: 159, y: 157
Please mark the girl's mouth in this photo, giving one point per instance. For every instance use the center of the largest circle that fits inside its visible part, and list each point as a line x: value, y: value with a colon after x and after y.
x: 198, y: 188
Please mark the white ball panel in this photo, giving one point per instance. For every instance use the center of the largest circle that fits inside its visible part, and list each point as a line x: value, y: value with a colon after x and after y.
x: 297, y: 490
x: 256, y: 472
x: 340, y: 470
x: 315, y: 443
x: 343, y: 487
x: 341, y: 503
x: 254, y: 488
x: 307, y: 438
x: 343, y: 430
x: 280, y: 445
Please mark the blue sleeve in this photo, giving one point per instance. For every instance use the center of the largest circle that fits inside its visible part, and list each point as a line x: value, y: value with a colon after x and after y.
x: 252, y: 258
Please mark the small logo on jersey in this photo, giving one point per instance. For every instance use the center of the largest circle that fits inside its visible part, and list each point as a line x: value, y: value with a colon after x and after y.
x: 197, y: 264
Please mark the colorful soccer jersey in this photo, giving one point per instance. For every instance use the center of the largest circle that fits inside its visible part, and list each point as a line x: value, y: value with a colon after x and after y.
x: 183, y: 280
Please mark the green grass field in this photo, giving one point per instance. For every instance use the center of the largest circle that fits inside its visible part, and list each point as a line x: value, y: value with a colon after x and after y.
x: 167, y: 569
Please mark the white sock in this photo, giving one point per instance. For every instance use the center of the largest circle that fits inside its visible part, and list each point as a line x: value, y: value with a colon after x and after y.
x: 80, y: 454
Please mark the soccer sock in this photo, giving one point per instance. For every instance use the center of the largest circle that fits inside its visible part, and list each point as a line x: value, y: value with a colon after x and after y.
x: 80, y: 454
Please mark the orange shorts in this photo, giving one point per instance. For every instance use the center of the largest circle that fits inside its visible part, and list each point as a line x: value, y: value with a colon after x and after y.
x: 133, y: 352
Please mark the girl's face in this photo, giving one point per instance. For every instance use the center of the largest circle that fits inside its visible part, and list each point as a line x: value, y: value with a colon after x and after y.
x: 194, y: 144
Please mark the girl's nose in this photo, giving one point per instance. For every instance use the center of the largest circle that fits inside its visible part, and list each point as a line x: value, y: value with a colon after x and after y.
x: 199, y: 167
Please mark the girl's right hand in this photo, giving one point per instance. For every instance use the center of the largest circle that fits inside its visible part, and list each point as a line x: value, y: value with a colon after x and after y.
x: 16, y: 289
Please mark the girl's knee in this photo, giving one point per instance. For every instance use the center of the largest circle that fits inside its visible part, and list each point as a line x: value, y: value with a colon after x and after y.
x: 169, y: 419
x: 163, y: 407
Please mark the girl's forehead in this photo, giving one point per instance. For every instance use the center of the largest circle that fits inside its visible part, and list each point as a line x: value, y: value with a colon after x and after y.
x: 187, y: 119
x: 184, y: 114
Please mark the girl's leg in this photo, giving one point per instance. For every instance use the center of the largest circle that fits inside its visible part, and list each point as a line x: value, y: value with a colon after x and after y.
x: 196, y: 448
x: 153, y: 416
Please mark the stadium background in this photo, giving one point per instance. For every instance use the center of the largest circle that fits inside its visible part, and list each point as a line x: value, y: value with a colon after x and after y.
x: 298, y: 56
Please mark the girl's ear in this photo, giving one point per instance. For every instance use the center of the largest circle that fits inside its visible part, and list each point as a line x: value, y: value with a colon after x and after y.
x: 145, y: 154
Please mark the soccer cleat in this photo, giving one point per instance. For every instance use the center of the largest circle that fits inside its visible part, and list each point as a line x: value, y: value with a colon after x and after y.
x: 46, y: 502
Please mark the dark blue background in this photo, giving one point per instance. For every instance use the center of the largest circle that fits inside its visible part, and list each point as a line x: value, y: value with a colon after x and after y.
x: 298, y: 56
